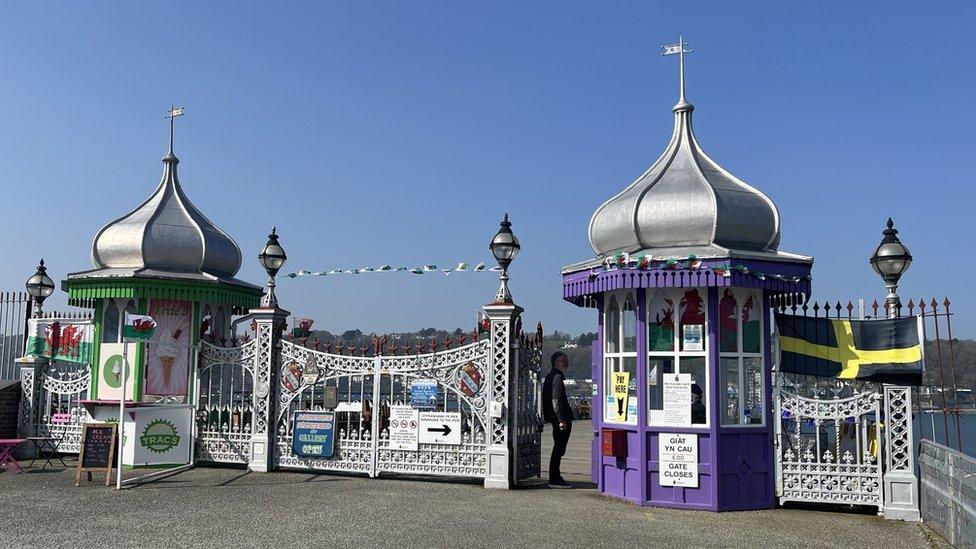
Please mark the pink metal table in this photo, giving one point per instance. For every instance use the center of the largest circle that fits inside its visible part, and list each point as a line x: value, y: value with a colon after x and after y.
x: 7, y: 446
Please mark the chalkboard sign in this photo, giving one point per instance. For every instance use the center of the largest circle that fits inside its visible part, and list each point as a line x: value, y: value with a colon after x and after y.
x: 97, y: 451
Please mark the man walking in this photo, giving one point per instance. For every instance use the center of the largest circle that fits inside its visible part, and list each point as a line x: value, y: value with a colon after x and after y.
x: 556, y: 410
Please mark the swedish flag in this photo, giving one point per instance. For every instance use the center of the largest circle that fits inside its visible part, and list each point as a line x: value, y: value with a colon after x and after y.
x: 885, y: 351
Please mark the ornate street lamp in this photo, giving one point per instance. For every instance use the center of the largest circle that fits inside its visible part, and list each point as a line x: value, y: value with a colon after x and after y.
x: 890, y: 260
x: 272, y: 258
x: 40, y: 287
x: 505, y: 247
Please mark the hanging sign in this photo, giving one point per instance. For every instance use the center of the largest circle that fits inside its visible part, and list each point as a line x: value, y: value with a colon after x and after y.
x: 97, y: 452
x: 310, y: 374
x: 423, y: 394
x: 677, y: 400
x: 621, y: 389
x: 678, y: 459
x: 313, y: 434
x: 440, y: 427
x: 404, y: 422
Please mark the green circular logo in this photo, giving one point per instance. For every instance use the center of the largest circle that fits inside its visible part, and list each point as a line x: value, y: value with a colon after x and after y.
x: 112, y: 371
x: 159, y: 436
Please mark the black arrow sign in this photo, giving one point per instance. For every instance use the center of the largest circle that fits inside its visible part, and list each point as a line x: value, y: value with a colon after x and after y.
x: 620, y: 406
x: 444, y: 430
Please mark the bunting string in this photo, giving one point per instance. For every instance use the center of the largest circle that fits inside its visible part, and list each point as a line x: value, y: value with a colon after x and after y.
x: 642, y: 262
x: 423, y: 269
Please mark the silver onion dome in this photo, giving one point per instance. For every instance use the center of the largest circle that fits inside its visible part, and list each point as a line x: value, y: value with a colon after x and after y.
x: 685, y: 200
x: 166, y: 233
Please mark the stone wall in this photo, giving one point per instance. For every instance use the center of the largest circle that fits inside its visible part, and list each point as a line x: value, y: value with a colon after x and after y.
x: 9, y: 401
x: 948, y: 493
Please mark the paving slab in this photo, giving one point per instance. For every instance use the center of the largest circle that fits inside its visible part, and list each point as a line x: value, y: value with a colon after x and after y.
x: 225, y: 507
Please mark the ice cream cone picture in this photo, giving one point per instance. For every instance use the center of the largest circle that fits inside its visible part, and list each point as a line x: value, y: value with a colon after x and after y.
x: 167, y: 350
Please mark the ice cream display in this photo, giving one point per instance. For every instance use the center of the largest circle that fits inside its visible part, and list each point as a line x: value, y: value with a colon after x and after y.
x: 167, y: 350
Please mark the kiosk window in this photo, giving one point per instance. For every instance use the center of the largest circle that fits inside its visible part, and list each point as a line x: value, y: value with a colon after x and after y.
x: 681, y: 351
x: 740, y: 332
x: 620, y: 359
x: 110, y: 322
x: 114, y: 317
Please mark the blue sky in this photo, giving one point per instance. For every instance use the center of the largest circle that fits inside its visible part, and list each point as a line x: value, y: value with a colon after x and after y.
x: 396, y: 132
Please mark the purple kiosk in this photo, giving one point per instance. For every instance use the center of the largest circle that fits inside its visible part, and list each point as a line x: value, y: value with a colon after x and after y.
x: 687, y: 263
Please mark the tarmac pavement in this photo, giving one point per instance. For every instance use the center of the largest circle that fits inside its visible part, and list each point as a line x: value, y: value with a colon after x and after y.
x: 222, y: 507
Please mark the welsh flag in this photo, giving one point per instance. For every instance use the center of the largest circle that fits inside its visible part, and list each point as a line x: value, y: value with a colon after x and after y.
x: 138, y: 327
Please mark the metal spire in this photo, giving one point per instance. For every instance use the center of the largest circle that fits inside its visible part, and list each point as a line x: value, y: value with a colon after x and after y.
x: 173, y: 112
x: 679, y: 50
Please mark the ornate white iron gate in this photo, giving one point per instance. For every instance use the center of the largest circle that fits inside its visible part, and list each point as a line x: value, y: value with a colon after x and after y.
x: 51, y: 402
x: 366, y: 388
x: 224, y: 418
x: 528, y: 417
x: 247, y: 398
x: 829, y: 444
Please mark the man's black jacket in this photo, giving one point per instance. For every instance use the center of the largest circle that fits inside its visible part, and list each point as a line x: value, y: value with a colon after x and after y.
x: 555, y: 405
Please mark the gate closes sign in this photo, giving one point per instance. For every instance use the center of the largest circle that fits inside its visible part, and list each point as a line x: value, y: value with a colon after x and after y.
x: 404, y: 421
x: 678, y: 459
x: 440, y: 427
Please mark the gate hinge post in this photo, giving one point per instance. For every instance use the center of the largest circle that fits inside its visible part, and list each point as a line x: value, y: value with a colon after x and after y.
x: 270, y: 323
x: 900, y: 479
x: 32, y: 371
x: 503, y: 367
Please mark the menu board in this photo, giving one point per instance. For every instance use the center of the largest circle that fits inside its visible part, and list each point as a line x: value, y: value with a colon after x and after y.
x: 97, y: 452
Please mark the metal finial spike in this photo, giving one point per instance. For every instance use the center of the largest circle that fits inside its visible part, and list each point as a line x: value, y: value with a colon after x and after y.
x: 891, y: 224
x: 173, y: 112
x: 679, y: 50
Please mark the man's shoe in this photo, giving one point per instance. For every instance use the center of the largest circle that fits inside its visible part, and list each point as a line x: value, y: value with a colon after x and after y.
x: 560, y: 483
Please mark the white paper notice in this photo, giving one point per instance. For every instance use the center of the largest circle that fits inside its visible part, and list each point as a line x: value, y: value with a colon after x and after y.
x: 678, y: 459
x: 677, y: 400
x: 694, y: 339
x: 404, y: 424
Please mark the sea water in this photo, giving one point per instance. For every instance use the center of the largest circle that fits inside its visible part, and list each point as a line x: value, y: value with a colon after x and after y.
x: 967, y: 429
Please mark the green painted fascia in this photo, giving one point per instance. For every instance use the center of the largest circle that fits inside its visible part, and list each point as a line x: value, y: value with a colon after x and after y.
x: 132, y: 287
x: 96, y: 351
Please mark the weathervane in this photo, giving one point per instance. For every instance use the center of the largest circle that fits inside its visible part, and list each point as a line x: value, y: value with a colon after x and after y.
x: 679, y: 50
x: 172, y: 113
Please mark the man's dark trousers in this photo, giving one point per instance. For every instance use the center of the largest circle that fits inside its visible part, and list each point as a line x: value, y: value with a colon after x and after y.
x: 559, y: 438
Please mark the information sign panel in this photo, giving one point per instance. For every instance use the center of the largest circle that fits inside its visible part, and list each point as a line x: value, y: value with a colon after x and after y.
x: 313, y: 434
x: 423, y: 394
x: 621, y: 389
x: 678, y: 459
x: 677, y: 400
x: 440, y: 427
x: 404, y: 424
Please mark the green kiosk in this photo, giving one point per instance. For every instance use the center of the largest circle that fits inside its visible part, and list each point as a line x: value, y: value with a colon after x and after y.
x: 164, y: 259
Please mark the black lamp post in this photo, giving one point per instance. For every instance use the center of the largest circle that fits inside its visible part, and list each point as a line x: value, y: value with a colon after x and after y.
x: 505, y: 247
x: 40, y: 287
x: 272, y: 258
x: 890, y: 260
